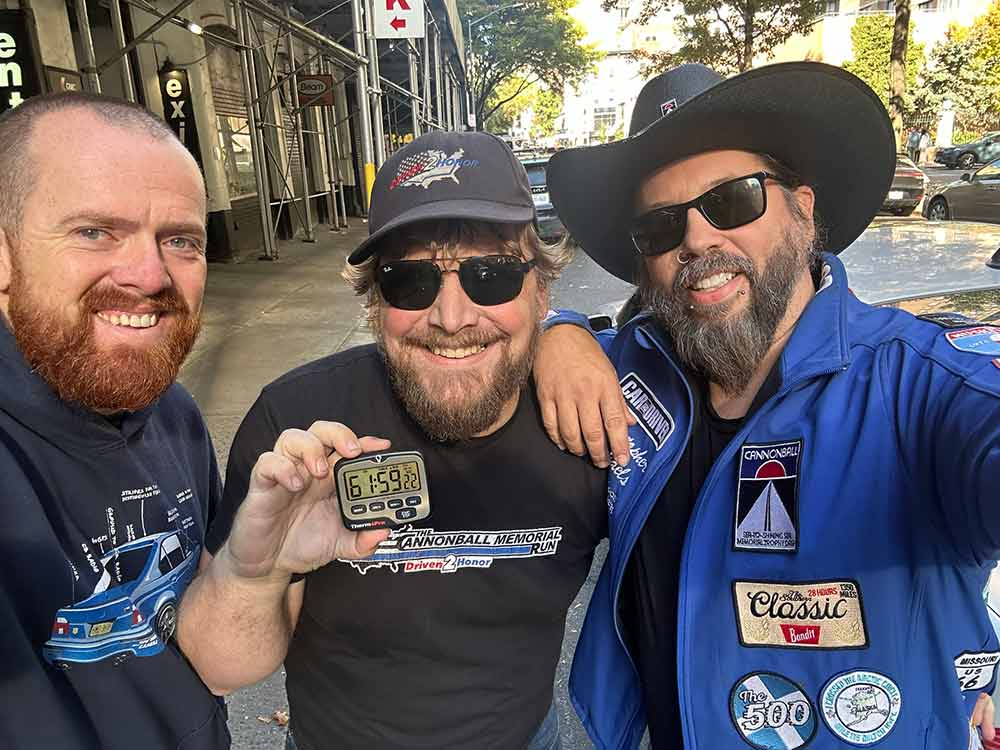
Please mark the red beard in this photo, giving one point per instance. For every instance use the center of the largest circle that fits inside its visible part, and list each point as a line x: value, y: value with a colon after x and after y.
x: 124, y: 378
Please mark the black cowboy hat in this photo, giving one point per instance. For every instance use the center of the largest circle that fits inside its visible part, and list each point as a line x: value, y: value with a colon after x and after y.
x: 820, y: 121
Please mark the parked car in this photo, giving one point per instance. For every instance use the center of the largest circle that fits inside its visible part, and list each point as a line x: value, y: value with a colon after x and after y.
x: 550, y: 226
x: 974, y: 197
x: 907, y: 190
x: 967, y: 155
x: 134, y: 617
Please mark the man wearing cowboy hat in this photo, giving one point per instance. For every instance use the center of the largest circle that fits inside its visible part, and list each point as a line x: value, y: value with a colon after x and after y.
x: 799, y: 543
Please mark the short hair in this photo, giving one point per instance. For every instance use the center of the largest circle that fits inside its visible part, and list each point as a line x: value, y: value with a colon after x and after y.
x: 446, y: 237
x: 17, y: 125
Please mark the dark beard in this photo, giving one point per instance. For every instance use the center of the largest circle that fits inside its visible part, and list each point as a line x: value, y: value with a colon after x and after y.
x: 728, y: 349
x: 466, y: 406
x: 67, y: 358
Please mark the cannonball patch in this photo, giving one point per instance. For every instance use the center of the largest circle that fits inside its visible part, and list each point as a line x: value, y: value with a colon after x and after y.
x: 767, y: 501
x: 771, y: 712
x: 860, y: 707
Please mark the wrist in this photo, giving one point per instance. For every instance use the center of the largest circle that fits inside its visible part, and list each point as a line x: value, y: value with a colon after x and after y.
x: 249, y: 575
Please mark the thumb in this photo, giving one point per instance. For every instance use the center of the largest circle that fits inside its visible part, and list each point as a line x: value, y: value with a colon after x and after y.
x: 365, y: 542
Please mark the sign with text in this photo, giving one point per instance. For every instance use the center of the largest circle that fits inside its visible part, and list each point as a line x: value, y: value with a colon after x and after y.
x: 63, y: 80
x: 399, y: 19
x: 315, y: 90
x: 178, y: 108
x: 19, y: 78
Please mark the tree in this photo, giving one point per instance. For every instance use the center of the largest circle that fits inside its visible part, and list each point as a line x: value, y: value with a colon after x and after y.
x: 548, y: 106
x: 726, y: 36
x: 986, y: 35
x: 537, y: 42
x: 897, y: 68
x: 955, y: 72
x: 871, y: 40
x: 545, y: 106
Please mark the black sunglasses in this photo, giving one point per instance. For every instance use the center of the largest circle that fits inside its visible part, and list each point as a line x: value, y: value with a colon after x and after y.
x: 487, y: 280
x: 728, y: 205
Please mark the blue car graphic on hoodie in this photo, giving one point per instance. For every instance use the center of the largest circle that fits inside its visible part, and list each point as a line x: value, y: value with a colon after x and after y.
x: 135, y: 617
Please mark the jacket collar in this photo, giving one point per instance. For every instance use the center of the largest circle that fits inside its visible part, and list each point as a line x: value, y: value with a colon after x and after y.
x: 819, y: 342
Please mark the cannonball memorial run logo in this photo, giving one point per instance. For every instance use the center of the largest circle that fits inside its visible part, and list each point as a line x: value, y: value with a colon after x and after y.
x: 767, y: 497
x: 428, y: 167
x: 860, y: 707
x: 411, y: 550
x: 771, y: 712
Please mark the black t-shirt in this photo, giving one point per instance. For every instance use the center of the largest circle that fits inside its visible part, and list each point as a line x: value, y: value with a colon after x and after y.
x: 451, y: 639
x: 101, y: 529
x: 651, y: 585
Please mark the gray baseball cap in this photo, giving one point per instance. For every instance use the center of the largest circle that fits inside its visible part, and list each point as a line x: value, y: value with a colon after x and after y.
x: 447, y: 175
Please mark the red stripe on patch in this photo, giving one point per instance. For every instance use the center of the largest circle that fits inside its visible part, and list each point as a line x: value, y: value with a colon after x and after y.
x: 996, y: 363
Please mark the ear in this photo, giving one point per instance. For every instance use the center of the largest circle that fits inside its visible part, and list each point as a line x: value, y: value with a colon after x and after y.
x: 806, y: 199
x: 6, y: 261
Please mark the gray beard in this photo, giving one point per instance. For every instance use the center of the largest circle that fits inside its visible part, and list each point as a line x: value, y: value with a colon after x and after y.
x: 466, y: 405
x: 727, y: 350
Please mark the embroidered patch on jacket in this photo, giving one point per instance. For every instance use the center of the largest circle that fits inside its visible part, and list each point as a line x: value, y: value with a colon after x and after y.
x: 996, y: 363
x: 653, y: 418
x: 767, y: 506
x: 817, y: 615
x: 975, y: 669
x: 860, y: 707
x: 771, y: 712
x: 978, y: 340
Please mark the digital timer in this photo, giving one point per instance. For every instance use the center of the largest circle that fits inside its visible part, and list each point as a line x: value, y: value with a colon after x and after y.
x: 382, y: 490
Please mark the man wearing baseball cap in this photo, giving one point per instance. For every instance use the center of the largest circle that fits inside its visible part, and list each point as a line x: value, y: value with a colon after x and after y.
x: 448, y: 637
x: 800, y: 559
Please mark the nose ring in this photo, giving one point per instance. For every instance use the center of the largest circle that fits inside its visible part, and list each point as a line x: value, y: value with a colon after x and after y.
x: 684, y: 258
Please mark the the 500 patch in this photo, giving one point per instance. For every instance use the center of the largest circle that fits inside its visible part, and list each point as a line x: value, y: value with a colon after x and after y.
x: 771, y: 712
x: 818, y: 614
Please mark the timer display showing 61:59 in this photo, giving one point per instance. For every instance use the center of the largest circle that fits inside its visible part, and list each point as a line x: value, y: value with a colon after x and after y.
x: 378, y: 481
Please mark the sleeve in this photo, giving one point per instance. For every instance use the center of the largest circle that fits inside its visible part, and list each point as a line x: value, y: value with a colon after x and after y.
x: 256, y: 435
x: 571, y: 317
x: 948, y: 428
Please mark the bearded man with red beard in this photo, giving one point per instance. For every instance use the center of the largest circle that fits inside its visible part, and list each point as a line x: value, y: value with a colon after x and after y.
x: 109, y: 475
x: 449, y: 636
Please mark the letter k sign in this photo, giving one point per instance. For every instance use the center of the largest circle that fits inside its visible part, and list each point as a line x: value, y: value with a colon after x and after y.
x: 403, y: 5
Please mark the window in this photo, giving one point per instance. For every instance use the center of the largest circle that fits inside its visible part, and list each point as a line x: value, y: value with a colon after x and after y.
x: 990, y: 172
x: 536, y: 175
x: 604, y: 118
x: 237, y: 156
x: 832, y: 7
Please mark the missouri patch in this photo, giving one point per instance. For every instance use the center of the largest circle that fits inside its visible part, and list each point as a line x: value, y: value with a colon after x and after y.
x: 767, y: 507
x: 978, y: 340
x: 771, y: 712
x: 814, y: 615
x: 976, y: 670
x: 653, y: 418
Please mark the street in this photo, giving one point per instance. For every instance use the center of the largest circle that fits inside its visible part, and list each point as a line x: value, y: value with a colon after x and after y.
x: 262, y: 319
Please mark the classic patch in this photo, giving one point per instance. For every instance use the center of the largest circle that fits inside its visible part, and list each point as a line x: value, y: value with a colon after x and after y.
x: 975, y: 670
x: 767, y: 497
x: 978, y: 340
x: 818, y: 615
x: 771, y: 712
x: 653, y: 418
x: 860, y: 707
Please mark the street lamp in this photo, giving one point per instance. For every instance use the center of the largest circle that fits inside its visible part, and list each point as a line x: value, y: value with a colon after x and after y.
x: 468, y: 41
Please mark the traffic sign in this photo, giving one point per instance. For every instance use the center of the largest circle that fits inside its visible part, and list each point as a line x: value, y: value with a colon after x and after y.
x: 399, y: 19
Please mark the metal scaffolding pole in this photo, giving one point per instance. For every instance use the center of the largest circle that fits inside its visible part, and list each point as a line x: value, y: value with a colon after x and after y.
x: 378, y: 135
x: 414, y: 101
x: 438, y: 93
x: 449, y: 101
x: 126, y: 65
x: 297, y: 121
x: 364, y: 112
x: 256, y: 139
x: 89, y: 66
x: 426, y: 108
x: 328, y: 118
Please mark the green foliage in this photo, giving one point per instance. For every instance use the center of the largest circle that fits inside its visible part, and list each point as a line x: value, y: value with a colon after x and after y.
x: 728, y: 36
x: 871, y: 40
x: 536, y: 43
x: 546, y: 107
x: 985, y: 32
x: 956, y: 72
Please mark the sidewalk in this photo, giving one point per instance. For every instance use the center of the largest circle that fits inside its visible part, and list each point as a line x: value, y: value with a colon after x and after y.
x: 262, y: 318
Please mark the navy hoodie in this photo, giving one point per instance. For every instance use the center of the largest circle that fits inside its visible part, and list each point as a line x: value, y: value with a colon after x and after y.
x: 101, y: 528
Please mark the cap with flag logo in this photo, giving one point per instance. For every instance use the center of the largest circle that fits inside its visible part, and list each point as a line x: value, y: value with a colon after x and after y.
x: 447, y: 175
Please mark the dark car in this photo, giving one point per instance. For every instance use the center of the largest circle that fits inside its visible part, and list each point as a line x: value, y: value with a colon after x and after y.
x: 966, y: 155
x: 550, y: 227
x: 907, y: 190
x: 975, y: 197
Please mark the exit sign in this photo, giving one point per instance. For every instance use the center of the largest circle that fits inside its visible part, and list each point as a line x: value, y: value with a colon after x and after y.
x: 399, y: 19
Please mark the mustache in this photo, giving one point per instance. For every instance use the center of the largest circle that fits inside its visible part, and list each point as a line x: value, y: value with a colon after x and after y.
x: 435, y: 339
x: 167, y: 300
x: 708, y: 265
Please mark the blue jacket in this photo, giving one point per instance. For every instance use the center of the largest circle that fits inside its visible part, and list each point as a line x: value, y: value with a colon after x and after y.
x: 832, y: 577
